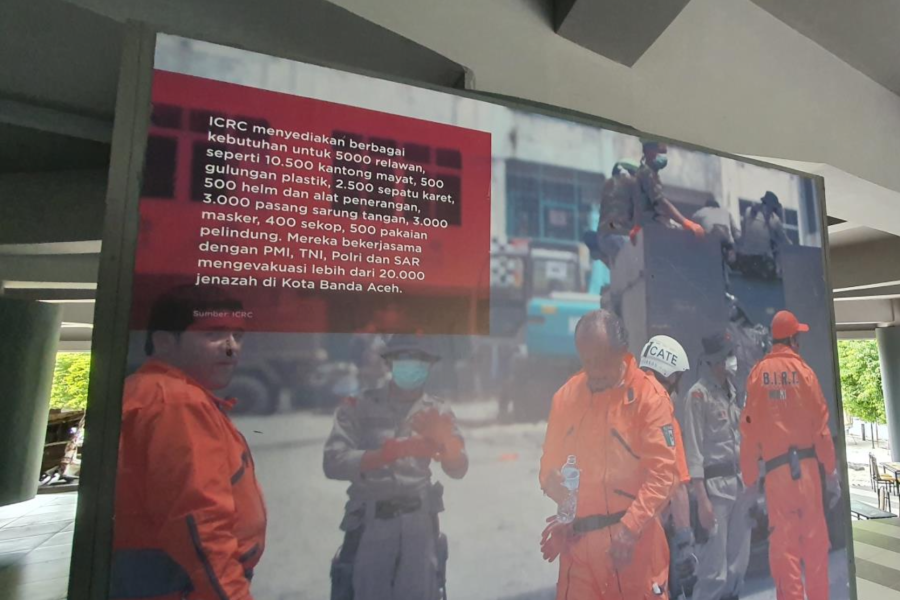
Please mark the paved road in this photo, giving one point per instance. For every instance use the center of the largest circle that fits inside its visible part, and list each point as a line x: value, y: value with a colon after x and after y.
x: 493, y: 516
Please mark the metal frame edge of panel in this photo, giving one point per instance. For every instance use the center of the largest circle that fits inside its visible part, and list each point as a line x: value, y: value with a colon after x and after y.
x: 93, y: 537
x: 819, y: 183
x: 92, y: 544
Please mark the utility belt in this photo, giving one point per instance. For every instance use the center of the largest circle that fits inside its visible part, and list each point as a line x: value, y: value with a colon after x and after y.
x: 429, y: 499
x: 595, y: 522
x: 792, y: 457
x: 720, y: 470
x: 394, y: 507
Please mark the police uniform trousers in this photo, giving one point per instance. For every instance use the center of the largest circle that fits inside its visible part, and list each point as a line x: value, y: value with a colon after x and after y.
x: 397, y: 558
x: 724, y: 557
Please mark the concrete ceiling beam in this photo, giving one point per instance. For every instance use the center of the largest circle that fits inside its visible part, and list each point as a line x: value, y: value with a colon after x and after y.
x: 865, y: 266
x: 620, y: 30
x: 46, y: 270
x: 22, y: 114
x: 864, y: 312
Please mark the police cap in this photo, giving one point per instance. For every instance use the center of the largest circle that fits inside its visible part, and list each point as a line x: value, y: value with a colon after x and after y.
x: 717, y: 346
x: 403, y: 343
x: 770, y: 199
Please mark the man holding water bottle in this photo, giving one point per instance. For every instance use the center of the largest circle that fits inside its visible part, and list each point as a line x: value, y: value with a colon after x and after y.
x: 615, y: 423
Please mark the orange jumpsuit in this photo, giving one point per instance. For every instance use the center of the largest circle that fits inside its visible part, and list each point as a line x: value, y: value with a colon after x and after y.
x: 190, y: 518
x: 625, y: 445
x: 785, y: 408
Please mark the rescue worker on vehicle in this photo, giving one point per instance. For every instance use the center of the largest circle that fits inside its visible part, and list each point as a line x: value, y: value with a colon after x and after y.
x: 762, y: 237
x: 618, y: 199
x: 785, y: 424
x: 190, y: 518
x: 665, y: 359
x: 618, y: 423
x: 383, y: 443
x: 718, y: 223
x: 652, y: 204
x: 712, y: 440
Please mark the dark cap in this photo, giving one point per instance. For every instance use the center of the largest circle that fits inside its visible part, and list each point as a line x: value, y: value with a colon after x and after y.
x: 413, y: 344
x: 771, y: 199
x: 647, y: 143
x: 717, y: 346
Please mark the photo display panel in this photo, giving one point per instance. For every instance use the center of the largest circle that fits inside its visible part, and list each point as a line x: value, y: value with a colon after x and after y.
x: 391, y: 342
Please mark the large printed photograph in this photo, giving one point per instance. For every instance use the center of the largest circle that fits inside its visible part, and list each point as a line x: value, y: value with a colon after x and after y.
x: 579, y: 364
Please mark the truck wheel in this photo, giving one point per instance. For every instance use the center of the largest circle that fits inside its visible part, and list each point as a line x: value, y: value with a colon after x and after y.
x: 253, y: 396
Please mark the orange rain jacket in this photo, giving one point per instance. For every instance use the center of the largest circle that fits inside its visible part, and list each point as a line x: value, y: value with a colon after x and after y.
x: 190, y: 517
x: 624, y: 442
x: 785, y: 408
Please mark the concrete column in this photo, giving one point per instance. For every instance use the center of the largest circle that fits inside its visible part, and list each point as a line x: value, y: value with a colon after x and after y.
x: 27, y: 359
x: 889, y: 355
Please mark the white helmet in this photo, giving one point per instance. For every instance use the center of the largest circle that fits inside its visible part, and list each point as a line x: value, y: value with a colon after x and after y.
x: 664, y: 355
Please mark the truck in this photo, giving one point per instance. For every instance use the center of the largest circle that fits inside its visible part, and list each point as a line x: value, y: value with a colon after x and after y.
x: 538, y: 294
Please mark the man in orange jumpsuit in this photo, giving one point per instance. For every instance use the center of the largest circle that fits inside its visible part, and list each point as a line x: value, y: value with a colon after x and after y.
x: 785, y: 424
x: 190, y: 518
x: 618, y: 422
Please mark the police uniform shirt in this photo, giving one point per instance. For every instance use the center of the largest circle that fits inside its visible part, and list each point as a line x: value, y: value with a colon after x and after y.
x: 758, y: 235
x: 650, y: 195
x: 718, y: 222
x: 364, y: 423
x: 711, y: 434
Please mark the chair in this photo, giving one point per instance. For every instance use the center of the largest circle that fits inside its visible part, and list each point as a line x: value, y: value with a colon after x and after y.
x: 884, y: 499
x: 880, y: 480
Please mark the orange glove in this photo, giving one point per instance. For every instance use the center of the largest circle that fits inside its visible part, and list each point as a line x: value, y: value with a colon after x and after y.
x: 632, y: 235
x: 434, y: 426
x: 416, y: 447
x: 694, y: 228
x: 556, y: 538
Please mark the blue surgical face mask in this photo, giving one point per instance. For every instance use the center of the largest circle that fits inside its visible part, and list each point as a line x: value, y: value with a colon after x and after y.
x: 660, y: 161
x: 410, y: 373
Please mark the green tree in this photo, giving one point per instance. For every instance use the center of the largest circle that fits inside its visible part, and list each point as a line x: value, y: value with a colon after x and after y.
x: 861, y: 380
x: 70, y: 381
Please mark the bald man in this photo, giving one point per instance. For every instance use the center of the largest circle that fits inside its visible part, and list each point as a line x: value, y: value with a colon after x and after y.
x: 618, y: 422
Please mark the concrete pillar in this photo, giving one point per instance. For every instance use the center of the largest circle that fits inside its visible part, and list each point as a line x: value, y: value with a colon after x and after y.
x: 27, y: 359
x: 889, y: 355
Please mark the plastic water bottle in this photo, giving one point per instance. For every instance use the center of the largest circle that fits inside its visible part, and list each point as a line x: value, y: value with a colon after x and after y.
x: 571, y: 476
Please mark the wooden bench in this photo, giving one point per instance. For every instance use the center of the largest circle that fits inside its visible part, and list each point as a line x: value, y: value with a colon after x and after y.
x: 861, y: 510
